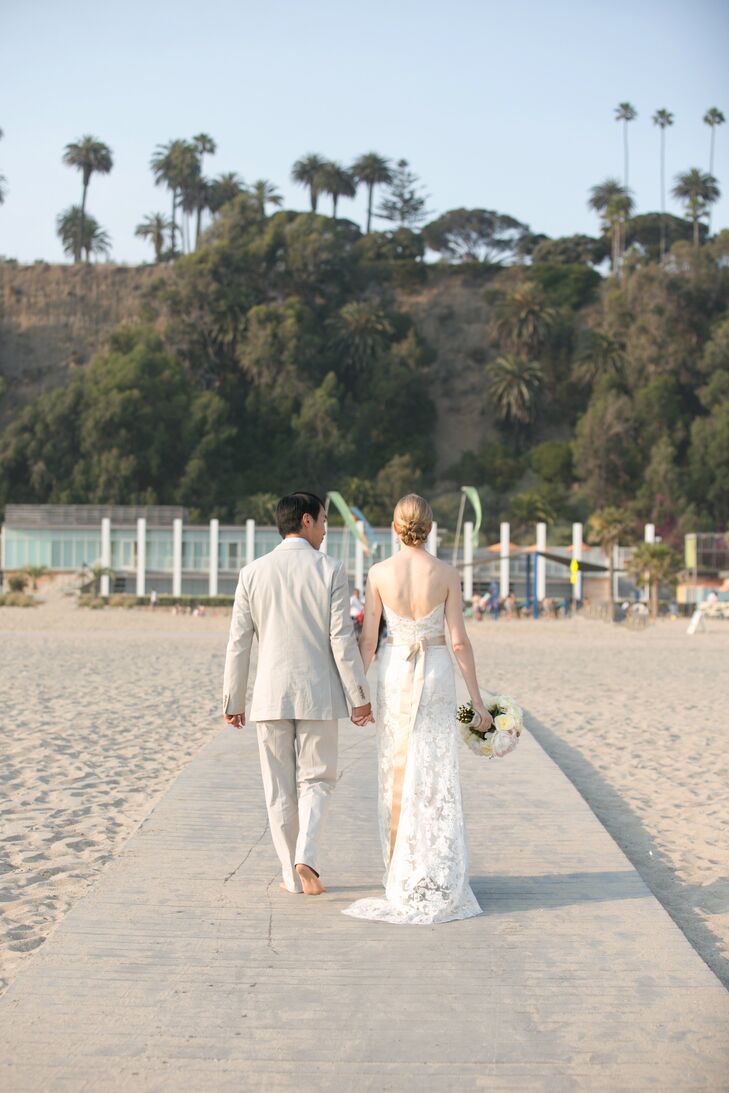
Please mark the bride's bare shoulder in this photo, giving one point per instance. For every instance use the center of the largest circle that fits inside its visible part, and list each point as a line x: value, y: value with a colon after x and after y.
x: 377, y: 569
x: 445, y: 569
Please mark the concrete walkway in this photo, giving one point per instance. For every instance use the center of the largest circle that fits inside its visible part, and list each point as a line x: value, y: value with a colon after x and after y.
x: 186, y: 969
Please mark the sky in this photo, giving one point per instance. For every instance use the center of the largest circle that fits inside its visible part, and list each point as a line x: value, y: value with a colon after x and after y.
x: 495, y: 105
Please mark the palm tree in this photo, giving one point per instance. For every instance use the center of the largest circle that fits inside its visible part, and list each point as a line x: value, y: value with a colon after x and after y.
x: 525, y: 509
x: 69, y: 226
x: 663, y: 118
x: 625, y: 112
x: 265, y: 193
x: 712, y: 118
x: 523, y: 319
x: 337, y: 182
x: 96, y: 240
x: 89, y: 578
x: 194, y: 198
x: 654, y: 564
x: 155, y: 227
x: 224, y: 188
x: 606, y: 200
x: 175, y: 164
x: 606, y: 528
x: 513, y: 385
x: 35, y: 572
x: 601, y: 193
x: 90, y: 156
x: 698, y: 191
x: 361, y: 332
x: 205, y: 146
x: 597, y: 354
x: 372, y: 170
x: 307, y: 171
x: 618, y: 213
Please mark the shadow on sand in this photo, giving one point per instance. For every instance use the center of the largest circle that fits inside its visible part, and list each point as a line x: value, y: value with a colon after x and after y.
x: 499, y: 894
x: 682, y: 901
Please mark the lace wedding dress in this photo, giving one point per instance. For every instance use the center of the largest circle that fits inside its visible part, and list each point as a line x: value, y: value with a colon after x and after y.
x: 420, y: 806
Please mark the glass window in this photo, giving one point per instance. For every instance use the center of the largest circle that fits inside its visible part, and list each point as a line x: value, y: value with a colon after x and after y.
x: 233, y: 555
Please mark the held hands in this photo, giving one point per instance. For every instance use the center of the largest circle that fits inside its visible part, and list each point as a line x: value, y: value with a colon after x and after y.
x: 237, y: 720
x: 362, y: 715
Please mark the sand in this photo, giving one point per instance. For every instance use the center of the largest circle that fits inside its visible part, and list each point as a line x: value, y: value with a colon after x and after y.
x: 101, y: 709
x: 638, y: 721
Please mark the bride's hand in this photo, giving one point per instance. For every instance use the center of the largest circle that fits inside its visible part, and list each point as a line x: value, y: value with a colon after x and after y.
x: 486, y: 719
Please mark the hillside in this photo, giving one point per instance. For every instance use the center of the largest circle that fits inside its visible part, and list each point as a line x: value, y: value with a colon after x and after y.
x: 291, y: 348
x: 54, y: 318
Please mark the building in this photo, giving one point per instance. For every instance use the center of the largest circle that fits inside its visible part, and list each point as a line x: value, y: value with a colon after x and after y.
x: 149, y: 547
x: 707, y: 567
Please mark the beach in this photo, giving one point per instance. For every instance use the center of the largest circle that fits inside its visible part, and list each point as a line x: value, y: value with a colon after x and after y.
x: 101, y: 710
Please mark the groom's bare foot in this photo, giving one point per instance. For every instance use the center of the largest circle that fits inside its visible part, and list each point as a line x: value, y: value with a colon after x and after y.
x: 309, y: 881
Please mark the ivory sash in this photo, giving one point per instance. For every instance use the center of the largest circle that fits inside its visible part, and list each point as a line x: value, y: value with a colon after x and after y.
x: 410, y: 694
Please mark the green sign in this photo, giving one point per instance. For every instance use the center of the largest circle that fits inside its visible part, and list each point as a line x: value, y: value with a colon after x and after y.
x: 472, y: 494
x: 343, y: 509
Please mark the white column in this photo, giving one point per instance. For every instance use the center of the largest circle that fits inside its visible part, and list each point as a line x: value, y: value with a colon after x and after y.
x: 504, y: 544
x: 250, y: 541
x: 577, y: 556
x: 177, y: 557
x: 359, y: 559
x: 541, y: 563
x: 616, y: 573
x: 105, y: 553
x: 2, y: 548
x: 432, y: 545
x: 394, y: 540
x: 141, y: 555
x: 649, y: 536
x: 214, y: 540
x: 467, y: 562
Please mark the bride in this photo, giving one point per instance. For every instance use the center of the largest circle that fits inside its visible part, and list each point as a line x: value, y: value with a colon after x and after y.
x: 420, y: 806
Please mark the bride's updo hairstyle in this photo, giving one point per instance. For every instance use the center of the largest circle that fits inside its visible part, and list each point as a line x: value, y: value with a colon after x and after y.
x: 413, y: 519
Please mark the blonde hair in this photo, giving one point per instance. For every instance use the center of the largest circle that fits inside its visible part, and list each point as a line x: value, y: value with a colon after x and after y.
x: 413, y: 519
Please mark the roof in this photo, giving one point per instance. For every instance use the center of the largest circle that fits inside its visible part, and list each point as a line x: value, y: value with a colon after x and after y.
x: 62, y: 516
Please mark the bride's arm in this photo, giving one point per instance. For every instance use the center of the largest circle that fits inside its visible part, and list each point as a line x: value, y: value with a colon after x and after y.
x: 462, y: 648
x: 370, y: 623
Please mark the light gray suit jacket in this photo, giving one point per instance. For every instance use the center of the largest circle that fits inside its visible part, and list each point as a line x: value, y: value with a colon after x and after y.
x: 296, y: 601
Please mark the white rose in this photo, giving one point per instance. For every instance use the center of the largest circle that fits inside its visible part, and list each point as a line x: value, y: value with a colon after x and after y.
x: 505, y: 722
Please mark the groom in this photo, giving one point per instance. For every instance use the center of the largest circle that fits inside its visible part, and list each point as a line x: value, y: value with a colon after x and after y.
x: 296, y: 601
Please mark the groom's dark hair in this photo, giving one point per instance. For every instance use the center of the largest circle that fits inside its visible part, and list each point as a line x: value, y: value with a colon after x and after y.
x: 291, y: 509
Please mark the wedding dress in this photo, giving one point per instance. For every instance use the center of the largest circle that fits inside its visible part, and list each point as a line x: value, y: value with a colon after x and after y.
x: 420, y: 805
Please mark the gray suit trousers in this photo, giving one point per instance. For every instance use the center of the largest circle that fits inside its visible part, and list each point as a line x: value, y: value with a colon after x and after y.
x: 299, y: 769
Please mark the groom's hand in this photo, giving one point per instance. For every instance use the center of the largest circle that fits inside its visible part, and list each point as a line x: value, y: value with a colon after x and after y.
x: 237, y: 720
x: 362, y: 715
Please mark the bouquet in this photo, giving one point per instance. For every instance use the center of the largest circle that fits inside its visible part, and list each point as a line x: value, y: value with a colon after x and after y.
x: 502, y: 736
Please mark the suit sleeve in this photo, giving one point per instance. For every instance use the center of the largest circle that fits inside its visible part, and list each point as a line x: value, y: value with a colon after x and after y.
x: 343, y: 643
x: 238, y: 653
